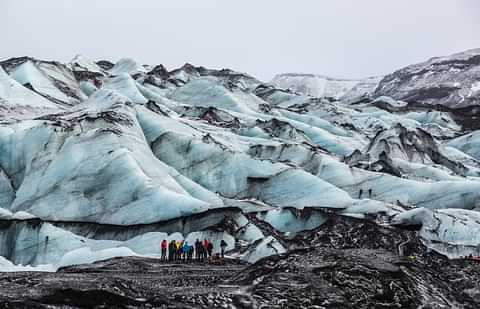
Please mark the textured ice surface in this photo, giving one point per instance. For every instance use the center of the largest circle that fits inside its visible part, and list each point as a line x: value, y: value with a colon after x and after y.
x: 80, y: 63
x: 14, y: 94
x: 125, y: 85
x: 87, y: 256
x: 127, y: 66
x: 266, y: 247
x: 106, y: 174
x: 289, y: 220
x: 469, y: 144
x: 7, y: 266
x: 217, y: 166
x: 452, y: 232
x: 315, y: 85
x: 28, y: 73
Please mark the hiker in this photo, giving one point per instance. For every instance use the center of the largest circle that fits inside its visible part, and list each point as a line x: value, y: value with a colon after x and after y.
x: 198, y: 244
x: 171, y: 250
x: 205, y: 247
x: 178, y: 253
x: 223, y: 245
x: 202, y: 251
x: 174, y: 250
x: 185, y: 249
x: 190, y: 253
x: 360, y: 193
x: 46, y: 243
x: 163, y: 247
x: 369, y: 193
x: 210, y: 249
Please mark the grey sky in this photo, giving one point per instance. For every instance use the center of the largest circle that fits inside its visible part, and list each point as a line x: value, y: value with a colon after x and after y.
x: 344, y: 38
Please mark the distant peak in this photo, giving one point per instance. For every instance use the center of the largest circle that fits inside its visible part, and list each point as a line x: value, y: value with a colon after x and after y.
x: 309, y: 75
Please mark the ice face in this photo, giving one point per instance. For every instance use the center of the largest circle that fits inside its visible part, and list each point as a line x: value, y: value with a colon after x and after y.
x: 266, y: 247
x: 469, y: 144
x: 62, y: 180
x: 452, y: 232
x: 208, y: 91
x: 14, y: 94
x: 219, y: 168
x: 125, y: 85
x: 28, y: 73
x: 287, y: 220
x: 45, y: 247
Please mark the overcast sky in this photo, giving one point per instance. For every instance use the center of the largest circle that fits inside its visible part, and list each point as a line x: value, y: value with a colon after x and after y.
x: 342, y: 38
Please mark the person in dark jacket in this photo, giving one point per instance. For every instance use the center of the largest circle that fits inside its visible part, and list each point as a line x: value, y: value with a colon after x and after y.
x: 190, y: 253
x: 223, y: 246
x: 203, y: 252
x: 210, y: 249
x: 198, y: 244
x: 171, y: 250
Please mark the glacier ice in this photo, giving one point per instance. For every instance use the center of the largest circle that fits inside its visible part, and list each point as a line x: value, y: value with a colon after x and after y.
x: 71, y: 178
x: 28, y: 73
x: 125, y: 85
x: 106, y: 160
x: 452, y: 232
x: 315, y: 85
x: 127, y: 66
x: 469, y: 144
x: 14, y: 94
x: 81, y: 63
x: 292, y: 220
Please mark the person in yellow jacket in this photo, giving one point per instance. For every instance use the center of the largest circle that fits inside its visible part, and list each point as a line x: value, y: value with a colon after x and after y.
x: 178, y: 251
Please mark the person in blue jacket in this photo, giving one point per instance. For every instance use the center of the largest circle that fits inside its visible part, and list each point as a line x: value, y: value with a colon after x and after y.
x: 185, y: 249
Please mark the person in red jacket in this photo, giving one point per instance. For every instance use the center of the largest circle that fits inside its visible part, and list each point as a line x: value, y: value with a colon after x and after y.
x: 163, y: 246
x: 205, y: 246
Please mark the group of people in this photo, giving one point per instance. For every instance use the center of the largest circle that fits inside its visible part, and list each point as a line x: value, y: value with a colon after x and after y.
x: 177, y: 250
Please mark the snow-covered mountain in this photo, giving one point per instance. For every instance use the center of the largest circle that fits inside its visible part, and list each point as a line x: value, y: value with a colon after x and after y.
x: 452, y: 81
x: 100, y: 159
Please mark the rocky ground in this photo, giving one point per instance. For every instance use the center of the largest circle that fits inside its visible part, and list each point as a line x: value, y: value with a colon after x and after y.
x: 351, y: 264
x: 122, y: 283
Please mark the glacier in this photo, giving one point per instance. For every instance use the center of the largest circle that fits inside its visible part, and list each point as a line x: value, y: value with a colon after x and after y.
x: 102, y: 160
